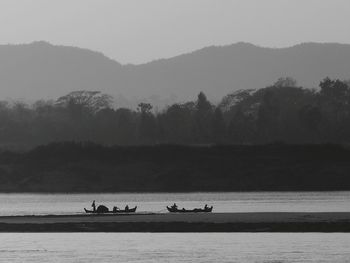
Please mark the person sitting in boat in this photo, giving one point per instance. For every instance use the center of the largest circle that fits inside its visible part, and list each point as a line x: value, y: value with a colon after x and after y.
x: 174, y: 206
x: 126, y: 208
x: 93, y: 206
x: 115, y: 209
x: 206, y: 207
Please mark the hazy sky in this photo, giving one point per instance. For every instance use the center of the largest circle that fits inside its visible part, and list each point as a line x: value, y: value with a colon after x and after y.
x: 137, y: 31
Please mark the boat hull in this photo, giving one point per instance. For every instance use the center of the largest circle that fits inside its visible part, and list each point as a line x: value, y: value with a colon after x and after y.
x: 196, y: 210
x: 131, y: 210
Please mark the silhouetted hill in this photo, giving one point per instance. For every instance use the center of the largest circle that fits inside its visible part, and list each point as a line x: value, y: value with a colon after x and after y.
x: 220, y: 70
x: 41, y: 70
x: 74, y: 167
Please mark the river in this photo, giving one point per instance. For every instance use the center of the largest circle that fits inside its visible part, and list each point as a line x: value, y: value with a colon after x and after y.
x: 35, y: 204
x: 175, y: 247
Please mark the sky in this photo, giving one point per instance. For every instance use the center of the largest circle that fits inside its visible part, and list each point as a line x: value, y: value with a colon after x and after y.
x: 138, y: 31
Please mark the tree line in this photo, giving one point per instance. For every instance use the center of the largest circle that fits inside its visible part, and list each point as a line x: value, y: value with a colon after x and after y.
x: 88, y: 167
x: 282, y: 112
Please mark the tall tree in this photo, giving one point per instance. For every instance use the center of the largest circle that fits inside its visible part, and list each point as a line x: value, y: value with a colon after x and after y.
x: 147, y: 125
x: 126, y: 122
x: 177, y: 123
x: 203, y: 117
x: 218, y: 127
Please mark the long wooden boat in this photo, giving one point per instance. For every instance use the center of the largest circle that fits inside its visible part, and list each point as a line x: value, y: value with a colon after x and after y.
x: 130, y: 210
x: 195, y: 210
x: 114, y: 211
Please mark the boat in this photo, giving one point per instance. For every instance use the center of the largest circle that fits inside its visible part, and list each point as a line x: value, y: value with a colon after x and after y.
x: 195, y: 210
x: 101, y: 209
x: 128, y: 210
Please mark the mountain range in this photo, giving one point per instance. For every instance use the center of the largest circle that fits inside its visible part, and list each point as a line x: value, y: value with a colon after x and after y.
x: 40, y: 70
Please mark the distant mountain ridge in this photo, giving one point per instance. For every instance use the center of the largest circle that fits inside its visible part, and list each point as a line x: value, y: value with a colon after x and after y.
x: 41, y: 71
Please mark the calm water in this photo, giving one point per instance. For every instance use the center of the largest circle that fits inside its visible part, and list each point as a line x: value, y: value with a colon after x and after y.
x: 175, y: 247
x: 165, y: 247
x: 28, y: 204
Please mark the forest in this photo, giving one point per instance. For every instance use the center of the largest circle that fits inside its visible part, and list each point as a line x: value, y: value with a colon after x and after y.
x: 88, y: 167
x: 279, y: 138
x: 282, y: 112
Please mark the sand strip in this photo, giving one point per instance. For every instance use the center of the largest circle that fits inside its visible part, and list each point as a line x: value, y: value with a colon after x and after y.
x: 200, y: 222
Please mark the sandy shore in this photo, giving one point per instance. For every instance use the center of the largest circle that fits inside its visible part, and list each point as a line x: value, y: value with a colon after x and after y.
x: 188, y: 218
x: 200, y: 222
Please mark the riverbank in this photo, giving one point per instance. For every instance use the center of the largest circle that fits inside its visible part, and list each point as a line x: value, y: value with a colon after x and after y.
x: 200, y: 222
x: 86, y: 168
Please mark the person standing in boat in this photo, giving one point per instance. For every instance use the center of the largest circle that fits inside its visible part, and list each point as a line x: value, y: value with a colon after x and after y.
x: 93, y: 206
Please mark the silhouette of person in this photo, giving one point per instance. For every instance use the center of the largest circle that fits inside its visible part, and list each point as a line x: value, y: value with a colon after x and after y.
x: 93, y: 206
x: 126, y: 208
x: 174, y: 206
x: 206, y: 207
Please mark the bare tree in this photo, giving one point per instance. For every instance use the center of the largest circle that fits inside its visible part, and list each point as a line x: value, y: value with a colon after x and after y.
x: 93, y: 101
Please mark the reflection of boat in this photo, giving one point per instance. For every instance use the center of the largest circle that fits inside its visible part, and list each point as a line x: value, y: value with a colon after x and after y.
x: 195, y: 210
x: 101, y: 209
